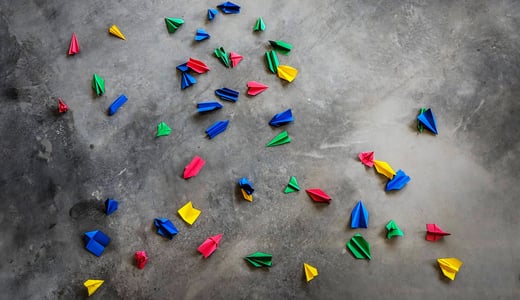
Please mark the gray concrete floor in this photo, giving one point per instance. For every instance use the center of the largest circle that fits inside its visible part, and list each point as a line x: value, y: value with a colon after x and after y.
x: 366, y: 67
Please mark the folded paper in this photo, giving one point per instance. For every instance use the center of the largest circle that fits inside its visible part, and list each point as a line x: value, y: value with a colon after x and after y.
x: 359, y: 216
x: 114, y: 30
x: 163, y: 129
x: 172, y: 24
x: 310, y: 271
x: 209, y: 245
x: 111, y: 206
x: 292, y: 186
x: 96, y: 241
x: 397, y: 182
x: 280, y: 139
x: 317, y: 195
x: 208, y: 106
x: 188, y: 213
x: 254, y: 88
x: 367, y: 158
x: 382, y: 167
x: 141, y: 259
x: 194, y: 167
x: 260, y: 259
x: 112, y: 109
x: 359, y: 247
x: 217, y: 128
x: 165, y: 228
x: 393, y: 230
x: 449, y: 266
x: 92, y: 285
x: 287, y: 73
x: 74, y: 45
x: 282, y: 118
x: 434, y: 232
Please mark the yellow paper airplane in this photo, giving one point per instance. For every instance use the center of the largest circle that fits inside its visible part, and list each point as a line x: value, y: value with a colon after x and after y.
x: 247, y: 196
x: 116, y: 32
x: 382, y: 167
x: 310, y: 271
x: 287, y: 72
x: 449, y: 266
x: 188, y: 213
x: 92, y: 285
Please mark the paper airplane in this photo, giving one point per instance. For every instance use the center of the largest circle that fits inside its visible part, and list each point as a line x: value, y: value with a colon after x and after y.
x: 254, y: 88
x: 183, y: 67
x: 235, y: 59
x: 111, y: 206
x: 449, y: 266
x: 114, y: 30
x: 359, y: 216
x: 92, y: 285
x: 197, y: 65
x: 310, y: 271
x: 212, y: 13
x: 163, y: 129
x: 317, y: 195
x: 96, y: 241
x: 217, y: 128
x: 229, y: 8
x: 398, y: 182
x: 367, y: 158
x: 382, y: 167
x: 62, y: 107
x: 282, y: 118
x: 208, y: 106
x: 420, y: 126
x: 427, y: 119
x: 209, y: 245
x: 188, y: 213
x: 172, y: 24
x: 281, y: 46
x: 74, y: 46
x: 292, y: 186
x: 98, y: 84
x: 287, y: 73
x: 227, y: 94
x: 434, y: 232
x: 260, y: 259
x: 359, y: 247
x: 282, y: 138
x: 259, y: 25
x: 246, y: 185
x: 194, y: 167
x: 272, y: 61
x: 222, y: 55
x: 141, y: 259
x: 201, y: 35
x: 393, y: 230
x: 112, y: 109
x: 165, y: 227
x: 187, y: 80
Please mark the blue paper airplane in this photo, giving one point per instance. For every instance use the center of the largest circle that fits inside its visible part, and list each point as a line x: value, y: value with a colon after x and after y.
x: 212, y: 13
x: 96, y: 241
x: 208, y: 106
x: 217, y: 128
x: 246, y: 185
x: 112, y: 109
x: 428, y: 120
x: 282, y: 118
x: 187, y: 80
x: 165, y: 227
x: 229, y: 8
x: 183, y: 67
x: 397, y: 182
x: 227, y: 94
x: 201, y: 35
x: 111, y: 206
x: 359, y: 216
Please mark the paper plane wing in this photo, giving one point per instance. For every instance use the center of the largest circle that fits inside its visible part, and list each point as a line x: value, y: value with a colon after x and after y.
x: 209, y: 245
x: 208, y: 106
x: 62, y: 107
x: 282, y: 138
x: 310, y: 271
x: 359, y: 216
x: 367, y: 158
x: 92, y: 285
x: 114, y: 30
x: 281, y: 46
x: 393, y: 230
x: 359, y: 247
x: 172, y: 24
x: 434, y: 232
x: 282, y: 118
x: 254, y: 88
x: 141, y: 259
x: 287, y: 72
x: 259, y: 25
x: 188, y: 213
x: 420, y: 126
x: 197, y: 65
x: 212, y: 13
x: 217, y: 128
x: 246, y: 185
x: 111, y: 206
x: 260, y: 259
x: 292, y: 186
x: 449, y: 266
x: 165, y: 228
x: 163, y: 129
x: 427, y: 119
x: 382, y: 167
x: 183, y: 67
x: 272, y: 61
x: 229, y: 8
x: 74, y: 46
x: 398, y: 181
x: 194, y: 167
x: 201, y: 35
x: 235, y: 58
x: 187, y: 80
x: 98, y: 84
x: 227, y: 94
x: 246, y: 196
x: 317, y: 195
x: 223, y: 56
x: 112, y: 109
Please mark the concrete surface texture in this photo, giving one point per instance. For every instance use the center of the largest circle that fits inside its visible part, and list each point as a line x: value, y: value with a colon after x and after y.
x: 366, y: 67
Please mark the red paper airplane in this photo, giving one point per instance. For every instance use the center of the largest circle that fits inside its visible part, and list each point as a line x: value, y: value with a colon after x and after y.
x: 254, y: 88
x: 235, y: 58
x: 210, y: 245
x: 194, y: 167
x: 318, y: 195
x: 62, y: 107
x: 434, y: 232
x: 367, y: 158
x: 141, y: 259
x: 197, y: 66
x: 74, y: 46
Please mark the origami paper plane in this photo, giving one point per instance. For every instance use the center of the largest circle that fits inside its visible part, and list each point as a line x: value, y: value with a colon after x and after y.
x: 208, y: 106
x: 187, y: 80
x: 259, y: 25
x: 428, y: 120
x: 111, y: 206
x: 246, y: 185
x: 282, y: 138
x: 420, y: 126
x: 310, y: 271
x: 98, y: 84
x: 141, y: 259
x: 112, y: 109
x: 74, y: 46
x: 317, y: 195
x: 114, y: 30
x: 92, y: 285
x: 62, y: 107
x: 235, y: 59
x: 398, y: 182
x: 359, y: 216
x: 197, y: 65
x: 188, y: 213
x: 165, y: 227
x: 393, y: 230
x: 217, y: 128
x: 96, y: 241
x: 212, y: 13
x: 272, y: 61
x: 260, y: 259
x: 194, y: 167
x: 227, y: 94
x: 222, y: 55
x: 183, y: 67
x: 172, y: 24
x: 382, y: 167
x: 367, y: 158
x: 254, y: 88
x: 434, y: 232
x: 201, y: 35
x: 449, y: 266
x: 281, y: 46
x: 359, y: 247
x: 229, y: 8
x: 209, y: 245
x: 292, y: 186
x: 163, y: 129
x: 282, y: 118
x: 287, y: 73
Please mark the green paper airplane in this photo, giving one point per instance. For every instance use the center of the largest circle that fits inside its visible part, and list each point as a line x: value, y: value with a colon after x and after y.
x: 163, y: 129
x: 420, y: 126
x: 260, y: 259
x: 172, y: 24
x: 393, y: 230
x: 292, y: 186
x: 221, y: 54
x: 98, y: 84
x: 280, y: 139
x: 272, y: 61
x: 359, y: 247
x: 260, y: 25
x: 281, y: 46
